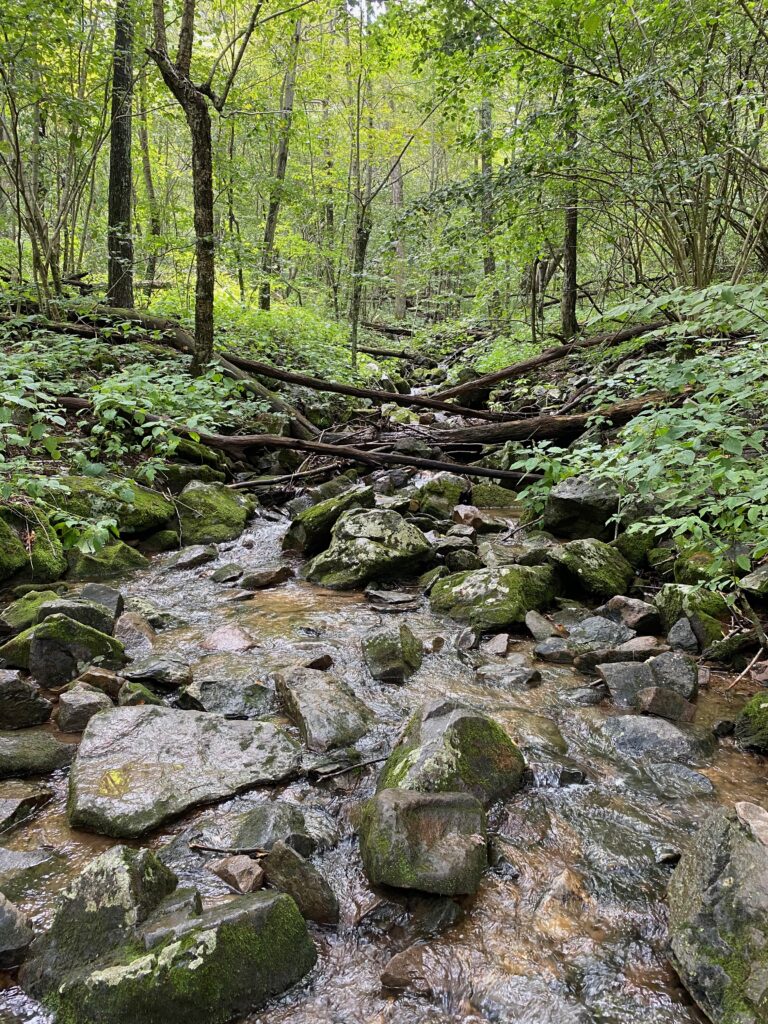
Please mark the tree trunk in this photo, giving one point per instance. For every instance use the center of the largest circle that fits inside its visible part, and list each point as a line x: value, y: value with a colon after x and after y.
x: 569, y: 324
x: 119, y: 240
x: 199, y: 120
x: 399, y: 275
x: 155, y: 224
x: 363, y: 226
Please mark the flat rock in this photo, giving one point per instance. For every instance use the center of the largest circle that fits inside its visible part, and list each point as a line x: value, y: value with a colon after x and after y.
x: 635, y: 737
x: 639, y: 616
x: 229, y: 638
x: 32, y: 753
x: 665, y: 704
x: 19, y: 802
x: 228, y: 684
x: 251, y: 828
x: 21, y: 703
x: 244, y: 874
x: 164, y: 671
x: 326, y: 711
x: 271, y: 576
x: 139, y: 766
x: 193, y: 557
x: 78, y: 706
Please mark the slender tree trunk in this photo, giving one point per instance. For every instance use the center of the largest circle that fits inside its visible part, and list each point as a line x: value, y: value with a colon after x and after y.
x: 363, y: 226
x: 119, y: 240
x: 569, y: 323
x: 155, y: 224
x: 397, y: 203
x: 232, y: 221
x: 273, y: 212
x: 486, y: 174
x: 199, y: 121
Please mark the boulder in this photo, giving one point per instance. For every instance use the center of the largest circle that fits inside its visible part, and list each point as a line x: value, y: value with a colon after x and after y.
x: 193, y: 556
x: 45, y: 560
x: 243, y: 874
x: 109, y: 597
x: 211, y: 513
x: 677, y: 672
x: 718, y: 916
x: 260, y: 579
x: 326, y: 711
x: 639, y: 616
x: 581, y: 507
x: 433, y: 842
x: 682, y: 638
x: 21, y: 703
x: 593, y: 567
x: 393, y: 657
x: 310, y: 531
x: 665, y: 704
x: 78, y: 706
x: 32, y: 753
x: 60, y: 647
x: 494, y: 598
x: 449, y: 747
x: 751, y: 728
x: 164, y: 671
x: 756, y: 583
x: 368, y: 545
x: 639, y: 648
x: 670, y: 671
x: 635, y: 738
x: 706, y: 610
x: 88, y: 613
x: 289, y: 872
x: 15, y: 933
x: 228, y: 684
x: 115, y: 559
x: 227, y: 573
x: 595, y: 632
x: 22, y: 613
x: 135, y: 509
x: 139, y: 766
x: 251, y: 828
x: 488, y: 495
x: 13, y: 554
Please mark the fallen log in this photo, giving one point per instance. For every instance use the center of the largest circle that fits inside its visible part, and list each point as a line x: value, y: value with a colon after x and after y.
x: 405, y: 332
x: 386, y: 353
x: 550, y: 355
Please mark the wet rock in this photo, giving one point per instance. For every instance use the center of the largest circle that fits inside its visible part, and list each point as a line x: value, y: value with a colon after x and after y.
x: 138, y: 766
x: 15, y: 933
x: 229, y: 638
x: 497, y: 646
x: 116, y: 559
x: 109, y: 597
x: 671, y: 671
x: 78, y: 706
x: 639, y: 616
x: 250, y: 828
x: 230, y: 685
x: 580, y: 507
x: 22, y: 613
x: 494, y: 598
x: 136, y: 694
x: 636, y: 737
x: 19, y: 803
x: 539, y: 627
x: 449, y: 747
x: 32, y: 753
x: 640, y: 648
x: 227, y: 573
x: 288, y: 871
x: 243, y: 873
x: 103, y: 679
x: 535, y: 734
x: 723, y: 727
x: 393, y: 657
x: 87, y: 612
x: 57, y: 646
x: 679, y: 781
x: 396, y: 600
x: 310, y: 531
x: 756, y: 583
x: 135, y: 633
x: 582, y: 696
x: 676, y: 672
x: 463, y: 561
x: 556, y: 650
x: 655, y: 700
x: 193, y: 557
x: 163, y: 671
x: 718, y: 903
x: 211, y: 513
x: 326, y: 711
x: 682, y: 638
x: 261, y: 579
x: 596, y: 631
x: 592, y: 566
x: 509, y: 677
x: 751, y: 729
x: 368, y: 545
x: 706, y: 610
x: 22, y: 871
x: 21, y: 704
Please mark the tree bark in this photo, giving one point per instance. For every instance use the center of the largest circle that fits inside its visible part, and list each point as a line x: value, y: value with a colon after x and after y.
x: 569, y: 323
x: 486, y: 205
x: 155, y: 225
x: 199, y: 121
x: 363, y: 227
x: 119, y: 240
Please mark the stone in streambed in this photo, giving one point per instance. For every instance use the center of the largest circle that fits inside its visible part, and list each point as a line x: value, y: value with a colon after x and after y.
x: 539, y: 627
x: 326, y: 711
x: 751, y: 728
x: 581, y: 507
x: 243, y: 874
x: 32, y: 753
x: 665, y: 704
x: 227, y: 573
x: 639, y: 616
x: 193, y: 557
x: 494, y: 598
x: 89, y: 613
x: 164, y: 671
x: 109, y: 597
x: 255, y: 828
x: 433, y: 842
x: 682, y: 638
x: 671, y: 671
x: 20, y: 802
x: 21, y: 703
x: 640, y: 648
x: 53, y: 649
x: 393, y: 657
x: 139, y: 766
x: 288, y: 871
x: 136, y: 694
x: 261, y: 579
x: 211, y: 513
x: 78, y: 706
x: 15, y: 933
x: 22, y: 613
x: 593, y: 567
x: 706, y: 610
x: 310, y: 531
x: 635, y: 738
x: 228, y: 684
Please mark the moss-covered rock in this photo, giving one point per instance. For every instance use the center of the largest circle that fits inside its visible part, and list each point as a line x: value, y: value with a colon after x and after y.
x: 487, y: 495
x: 310, y: 531
x: 368, y: 545
x: 756, y: 582
x: 706, y: 610
x: 45, y: 559
x: 447, y: 747
x: 494, y: 598
x: 136, y: 509
x: 692, y: 566
x: 114, y: 559
x: 22, y: 613
x: 32, y: 752
x: 393, y: 657
x: 752, y: 725
x: 438, y: 496
x: 60, y: 640
x: 635, y: 544
x: 593, y: 566
x: 13, y: 554
x: 581, y: 507
x: 210, y: 513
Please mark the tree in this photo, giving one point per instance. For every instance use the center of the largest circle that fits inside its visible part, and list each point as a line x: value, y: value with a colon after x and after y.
x: 119, y: 240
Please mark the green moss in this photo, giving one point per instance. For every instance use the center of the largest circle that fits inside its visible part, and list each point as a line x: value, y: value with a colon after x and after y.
x: 635, y: 546
x: 492, y: 496
x: 22, y: 614
x: 752, y: 724
x: 136, y: 509
x: 13, y: 554
x: 310, y: 531
x: 45, y: 560
x: 594, y: 567
x: 494, y: 598
x: 211, y: 513
x: 113, y: 560
x: 87, y: 643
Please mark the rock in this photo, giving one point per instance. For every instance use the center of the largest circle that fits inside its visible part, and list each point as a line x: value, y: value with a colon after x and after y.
x: 636, y: 737
x: 227, y: 573
x: 449, y: 747
x: 595, y: 632
x: 22, y: 871
x: 109, y: 597
x: 22, y: 613
x: 678, y: 781
x: 682, y: 638
x: 166, y: 672
x: 78, y: 706
x: 498, y: 646
x: 136, y: 509
x: 706, y: 610
x: 21, y: 704
x: 60, y: 647
x: 136, y: 694
x: 539, y: 627
x: 310, y: 531
x: 487, y: 495
x: 393, y: 657
x: 756, y: 582
x: 493, y: 598
x: 20, y: 802
x: 45, y: 560
x: 326, y: 711
x: 229, y: 639
x: 269, y: 577
x: 32, y: 753
x: 211, y: 513
x: 656, y: 700
x: 138, y: 766
x: 228, y: 684
x: 580, y: 507
x: 592, y: 566
x: 671, y: 671
x: 103, y: 679
x: 581, y: 696
x: 718, y: 918
x: 193, y: 557
x: 368, y: 545
x: 243, y: 873
x: 135, y: 633
x: 639, y: 616
x: 13, y: 554
x: 751, y: 729
x: 288, y: 871
x: 86, y: 612
x: 433, y: 842
x: 116, y: 559
x: 557, y: 650
x: 15, y: 933
x: 677, y: 672
x: 463, y: 561
x: 640, y: 648
x: 251, y: 828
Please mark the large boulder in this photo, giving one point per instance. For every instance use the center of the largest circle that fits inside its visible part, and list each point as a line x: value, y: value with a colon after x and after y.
x: 637, y: 738
x: 449, y: 747
x: 494, y: 598
x: 368, y: 545
x: 228, y: 684
x: 21, y: 703
x: 593, y: 567
x: 138, y: 766
x: 13, y: 554
x: 718, y: 916
x: 310, y: 531
x: 135, y: 509
x: 115, y: 559
x: 326, y: 711
x: 581, y: 507
x: 433, y: 842
x: 211, y: 513
x: 22, y: 613
x: 45, y: 558
x: 32, y: 753
x: 392, y: 657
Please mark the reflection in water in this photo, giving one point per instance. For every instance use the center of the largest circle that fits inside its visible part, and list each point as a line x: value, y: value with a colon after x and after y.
x: 569, y: 926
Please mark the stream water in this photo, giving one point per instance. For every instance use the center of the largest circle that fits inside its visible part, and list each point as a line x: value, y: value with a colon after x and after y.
x: 568, y: 927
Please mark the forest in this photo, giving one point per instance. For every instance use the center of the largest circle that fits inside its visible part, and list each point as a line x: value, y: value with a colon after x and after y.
x: 383, y: 511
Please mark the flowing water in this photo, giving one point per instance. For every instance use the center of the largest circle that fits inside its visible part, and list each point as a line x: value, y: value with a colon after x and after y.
x: 570, y: 924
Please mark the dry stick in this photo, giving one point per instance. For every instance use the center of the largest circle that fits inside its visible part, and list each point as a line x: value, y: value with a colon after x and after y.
x: 551, y: 355
x: 741, y: 675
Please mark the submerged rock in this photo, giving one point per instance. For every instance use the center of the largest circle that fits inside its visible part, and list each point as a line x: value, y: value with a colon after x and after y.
x: 228, y: 684
x: 635, y: 737
x: 211, y: 513
x: 254, y: 828
x: 393, y: 657
x: 139, y: 766
x: 434, y: 842
x: 581, y: 507
x: 288, y: 871
x: 20, y: 803
x: 449, y: 747
x: 494, y: 598
x: 326, y: 711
